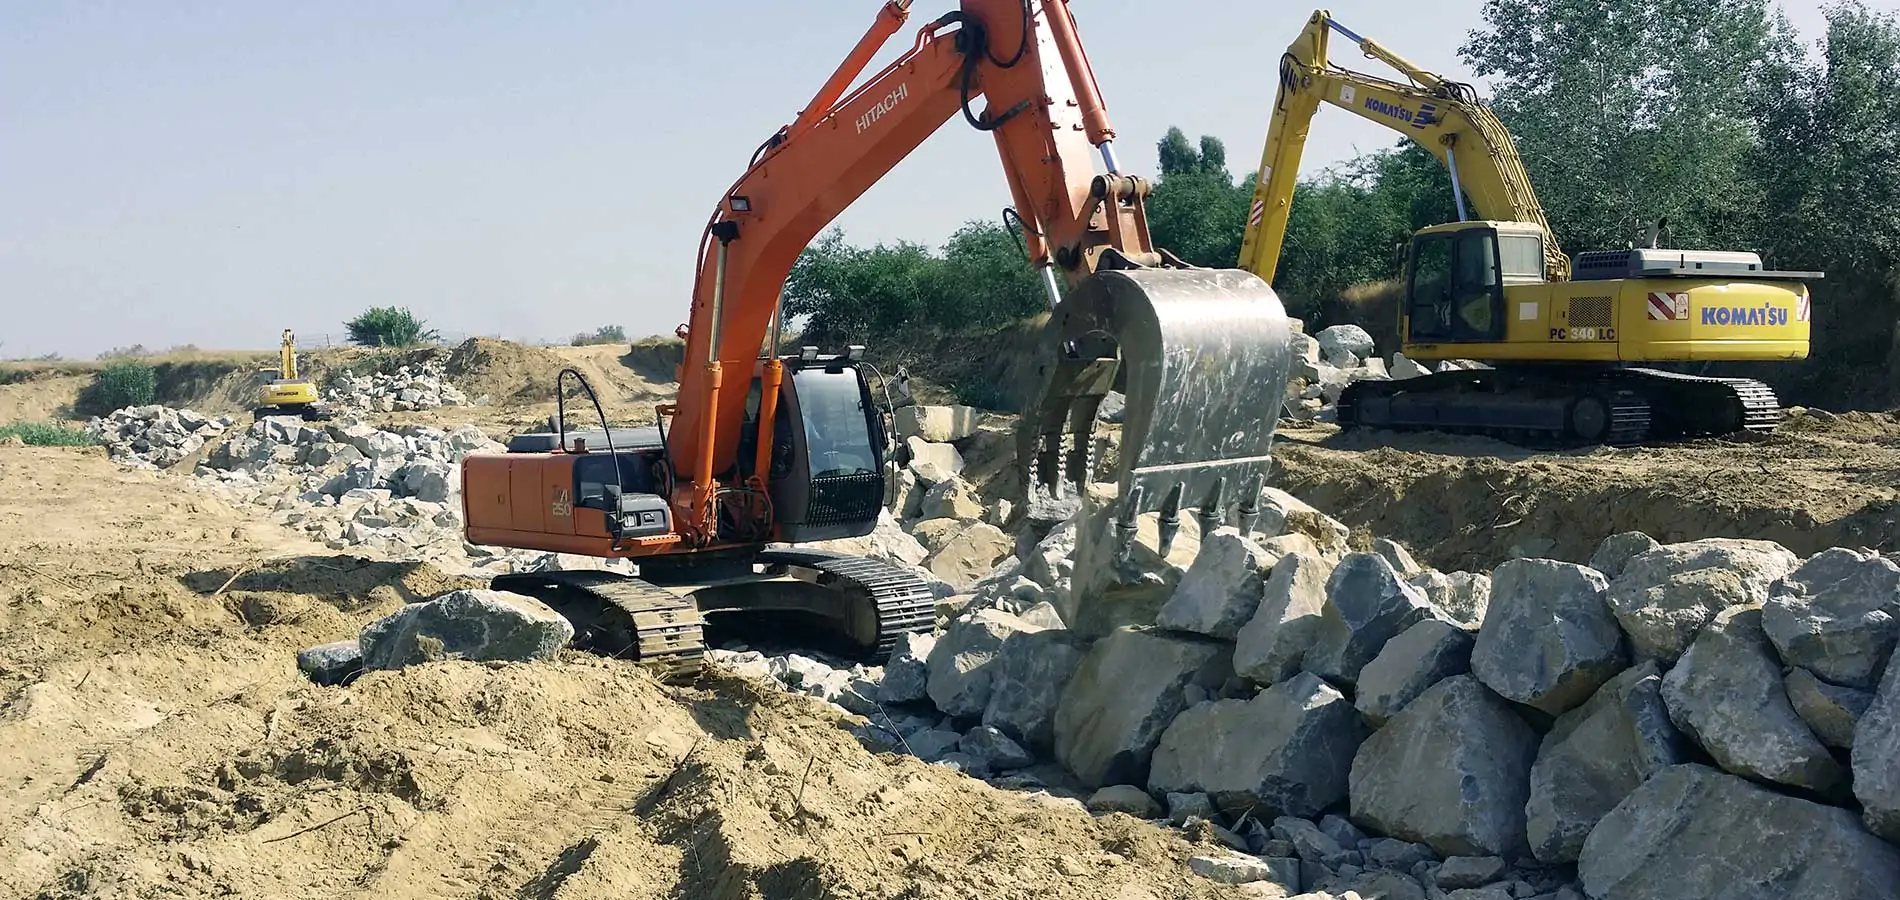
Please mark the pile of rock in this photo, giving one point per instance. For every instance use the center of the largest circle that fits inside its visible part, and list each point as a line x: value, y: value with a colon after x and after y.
x: 1698, y: 719
x: 155, y: 437
x: 481, y: 626
x: 1325, y: 364
x: 421, y: 387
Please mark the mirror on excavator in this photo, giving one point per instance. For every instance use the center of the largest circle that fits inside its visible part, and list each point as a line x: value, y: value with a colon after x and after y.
x: 1202, y: 358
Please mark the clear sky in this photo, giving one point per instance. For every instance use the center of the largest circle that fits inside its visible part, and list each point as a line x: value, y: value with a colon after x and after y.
x: 213, y: 172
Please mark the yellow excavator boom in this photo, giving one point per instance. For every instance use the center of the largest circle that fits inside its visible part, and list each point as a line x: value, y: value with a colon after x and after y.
x: 1443, y: 116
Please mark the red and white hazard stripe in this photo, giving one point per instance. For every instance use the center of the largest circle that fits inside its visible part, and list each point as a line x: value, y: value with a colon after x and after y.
x: 1661, y: 308
x: 1802, y: 309
x: 1259, y: 212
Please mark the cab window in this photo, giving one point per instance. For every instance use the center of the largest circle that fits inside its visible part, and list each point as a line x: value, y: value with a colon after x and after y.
x: 1456, y: 291
x: 837, y: 424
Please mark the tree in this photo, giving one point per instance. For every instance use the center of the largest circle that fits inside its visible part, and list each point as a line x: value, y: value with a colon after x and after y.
x: 388, y: 326
x: 1195, y: 209
x: 605, y: 334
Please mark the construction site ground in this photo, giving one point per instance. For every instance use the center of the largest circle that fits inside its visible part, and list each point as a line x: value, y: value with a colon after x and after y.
x: 156, y: 738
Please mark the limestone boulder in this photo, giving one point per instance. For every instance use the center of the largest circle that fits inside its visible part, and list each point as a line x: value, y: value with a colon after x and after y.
x: 907, y: 672
x: 1221, y: 590
x: 1028, y: 678
x: 1463, y: 596
x: 1664, y: 596
x: 936, y: 424
x: 1423, y: 655
x: 1270, y: 647
x: 470, y: 624
x: 1549, y: 640
x: 1693, y: 831
x: 1615, y: 552
x: 1727, y: 693
x: 1287, y: 751
x: 1367, y: 604
x: 961, y: 671
x: 1877, y: 759
x: 1838, y: 616
x: 1830, y: 711
x: 970, y: 555
x: 1128, y: 689
x: 1451, y: 770
x: 1595, y: 756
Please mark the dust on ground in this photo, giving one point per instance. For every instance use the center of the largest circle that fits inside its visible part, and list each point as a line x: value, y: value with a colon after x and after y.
x: 157, y: 739
x: 1820, y: 481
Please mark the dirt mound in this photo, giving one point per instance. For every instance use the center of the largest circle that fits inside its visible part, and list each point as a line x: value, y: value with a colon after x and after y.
x: 1469, y: 503
x: 504, y: 371
x: 156, y: 738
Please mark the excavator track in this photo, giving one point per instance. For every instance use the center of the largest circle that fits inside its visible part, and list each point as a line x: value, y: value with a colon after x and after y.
x: 622, y: 616
x: 899, y: 601
x: 1547, y: 405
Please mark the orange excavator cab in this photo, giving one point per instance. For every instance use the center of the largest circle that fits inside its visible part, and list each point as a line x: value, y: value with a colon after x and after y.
x: 760, y: 451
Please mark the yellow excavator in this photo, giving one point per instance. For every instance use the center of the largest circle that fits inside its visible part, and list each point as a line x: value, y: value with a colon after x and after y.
x: 287, y: 394
x: 1561, y: 336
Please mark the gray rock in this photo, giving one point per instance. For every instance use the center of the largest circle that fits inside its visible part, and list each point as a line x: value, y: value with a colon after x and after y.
x: 1877, y: 759
x: 1400, y: 558
x: 1830, y: 711
x: 1123, y: 696
x: 1366, y: 606
x: 1182, y: 807
x: 1451, y: 770
x: 933, y: 462
x: 1617, y: 550
x: 1692, y: 831
x: 1664, y: 596
x: 1342, y: 830
x: 970, y: 555
x: 1270, y: 647
x: 1463, y: 596
x: 1390, y: 853
x: 1124, y: 798
x: 331, y: 664
x: 1470, y: 872
x: 1344, y: 346
x: 1377, y: 886
x: 932, y: 744
x: 1425, y: 654
x: 1288, y: 750
x: 1549, y: 640
x: 960, y: 670
x: 1594, y: 756
x: 1838, y: 616
x: 1490, y: 892
x: 1221, y: 590
x: 1309, y: 842
x: 1027, y: 679
x: 1403, y: 369
x: 1049, y: 562
x: 1230, y: 868
x: 951, y: 498
x: 1043, y: 614
x: 907, y: 672
x: 474, y: 625
x: 995, y: 749
x: 939, y: 424
x: 1727, y: 694
x: 1282, y: 513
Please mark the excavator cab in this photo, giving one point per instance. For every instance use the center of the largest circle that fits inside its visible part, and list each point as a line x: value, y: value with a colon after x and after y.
x: 827, y: 478
x: 1455, y: 277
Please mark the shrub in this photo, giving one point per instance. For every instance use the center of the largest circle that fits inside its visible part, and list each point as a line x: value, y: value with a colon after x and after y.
x: 389, y: 326
x: 605, y: 334
x: 46, y: 434
x: 117, y: 386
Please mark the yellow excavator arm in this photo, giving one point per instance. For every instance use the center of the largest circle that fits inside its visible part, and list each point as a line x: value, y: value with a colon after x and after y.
x: 1443, y: 116
x: 287, y: 358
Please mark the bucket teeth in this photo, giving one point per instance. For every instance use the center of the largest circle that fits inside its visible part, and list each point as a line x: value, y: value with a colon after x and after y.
x: 1171, y: 517
x: 1213, y: 512
x: 1250, y: 505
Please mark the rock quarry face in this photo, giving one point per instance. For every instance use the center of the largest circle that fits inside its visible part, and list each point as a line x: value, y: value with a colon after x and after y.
x: 1727, y: 694
x: 1838, y: 616
x: 1595, y: 756
x: 1286, y: 751
x: 1692, y: 831
x: 1451, y: 770
x: 1126, y: 692
x: 1664, y: 596
x: 1549, y: 640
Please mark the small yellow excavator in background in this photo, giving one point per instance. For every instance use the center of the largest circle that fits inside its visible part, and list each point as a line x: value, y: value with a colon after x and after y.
x: 1495, y: 286
x: 287, y: 394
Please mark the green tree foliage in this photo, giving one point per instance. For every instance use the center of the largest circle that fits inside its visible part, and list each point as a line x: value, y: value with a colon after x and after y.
x: 842, y: 293
x: 118, y: 386
x: 389, y: 326
x: 1196, y: 211
x: 605, y: 334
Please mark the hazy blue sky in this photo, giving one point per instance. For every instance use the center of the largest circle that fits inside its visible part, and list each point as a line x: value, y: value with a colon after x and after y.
x: 210, y: 173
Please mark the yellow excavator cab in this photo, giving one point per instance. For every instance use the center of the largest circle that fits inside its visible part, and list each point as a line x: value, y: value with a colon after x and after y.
x: 286, y: 394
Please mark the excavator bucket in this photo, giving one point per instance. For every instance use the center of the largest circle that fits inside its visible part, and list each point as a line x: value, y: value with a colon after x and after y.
x: 1201, y: 357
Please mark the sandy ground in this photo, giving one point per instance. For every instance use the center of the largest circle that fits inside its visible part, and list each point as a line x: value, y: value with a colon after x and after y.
x: 1820, y: 481
x: 157, y: 740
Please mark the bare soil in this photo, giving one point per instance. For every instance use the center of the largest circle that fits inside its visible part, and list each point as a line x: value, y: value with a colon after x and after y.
x: 157, y: 740
x: 1820, y: 481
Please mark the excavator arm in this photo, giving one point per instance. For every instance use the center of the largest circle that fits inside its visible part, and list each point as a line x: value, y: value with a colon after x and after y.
x: 1445, y: 117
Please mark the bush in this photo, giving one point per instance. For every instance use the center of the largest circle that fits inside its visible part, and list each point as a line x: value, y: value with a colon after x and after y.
x: 389, y: 326
x: 605, y: 334
x: 118, y: 386
x: 46, y: 434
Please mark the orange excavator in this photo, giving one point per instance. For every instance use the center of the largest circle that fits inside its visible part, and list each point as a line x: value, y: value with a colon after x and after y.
x: 761, y: 450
